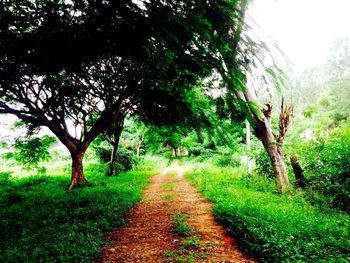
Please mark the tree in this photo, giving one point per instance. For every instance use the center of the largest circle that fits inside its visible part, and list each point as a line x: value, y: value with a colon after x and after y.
x: 112, y: 135
x: 236, y: 55
x: 54, y: 70
x: 63, y: 62
x: 169, y: 136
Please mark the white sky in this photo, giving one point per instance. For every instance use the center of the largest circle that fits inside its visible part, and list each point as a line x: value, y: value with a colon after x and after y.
x: 303, y: 29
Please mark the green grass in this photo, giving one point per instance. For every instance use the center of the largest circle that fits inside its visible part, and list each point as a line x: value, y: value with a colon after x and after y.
x: 269, y: 226
x: 180, y: 224
x: 168, y: 186
x: 190, y: 249
x: 168, y: 196
x: 41, y: 222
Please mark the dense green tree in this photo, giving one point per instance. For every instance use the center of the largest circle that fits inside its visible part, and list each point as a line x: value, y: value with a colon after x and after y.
x: 55, y: 71
x: 62, y: 62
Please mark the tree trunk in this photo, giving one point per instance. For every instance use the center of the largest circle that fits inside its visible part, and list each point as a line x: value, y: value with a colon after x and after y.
x: 298, y: 172
x: 138, y: 147
x: 279, y: 167
x: 178, y: 151
x: 275, y: 152
x: 112, y: 170
x: 174, y: 151
x: 77, y: 169
x: 112, y: 163
x: 272, y: 144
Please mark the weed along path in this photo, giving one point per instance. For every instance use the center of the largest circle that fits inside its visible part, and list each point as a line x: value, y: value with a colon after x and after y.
x: 173, y: 223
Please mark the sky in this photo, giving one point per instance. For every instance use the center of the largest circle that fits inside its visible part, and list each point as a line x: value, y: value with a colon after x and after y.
x: 303, y: 29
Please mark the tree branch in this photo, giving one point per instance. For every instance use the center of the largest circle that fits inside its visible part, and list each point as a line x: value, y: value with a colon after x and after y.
x: 107, y: 118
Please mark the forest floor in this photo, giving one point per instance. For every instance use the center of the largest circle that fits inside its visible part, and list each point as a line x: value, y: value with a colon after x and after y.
x: 150, y: 237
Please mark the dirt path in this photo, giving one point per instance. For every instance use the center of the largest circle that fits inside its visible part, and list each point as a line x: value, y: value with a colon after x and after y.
x: 149, y: 237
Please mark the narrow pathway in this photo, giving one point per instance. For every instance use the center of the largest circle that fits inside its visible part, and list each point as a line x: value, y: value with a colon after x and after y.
x: 149, y: 232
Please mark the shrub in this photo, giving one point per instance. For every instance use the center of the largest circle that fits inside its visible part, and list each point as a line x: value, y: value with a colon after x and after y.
x: 263, y: 163
x: 103, y: 154
x: 5, y: 178
x: 224, y: 160
x: 125, y: 159
x: 327, y: 168
x: 31, y: 151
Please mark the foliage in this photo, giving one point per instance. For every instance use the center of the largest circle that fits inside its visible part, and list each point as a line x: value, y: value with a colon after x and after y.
x: 327, y: 168
x: 5, y: 179
x: 273, y: 227
x: 103, y: 153
x: 42, y: 222
x: 126, y: 159
x: 170, y: 135
x: 263, y: 163
x: 228, y: 159
x: 85, y: 63
x: 31, y: 151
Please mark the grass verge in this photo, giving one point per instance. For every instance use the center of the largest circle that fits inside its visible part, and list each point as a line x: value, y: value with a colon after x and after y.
x: 41, y: 222
x: 272, y: 227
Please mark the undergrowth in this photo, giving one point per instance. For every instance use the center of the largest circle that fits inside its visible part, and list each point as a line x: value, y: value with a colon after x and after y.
x: 269, y: 226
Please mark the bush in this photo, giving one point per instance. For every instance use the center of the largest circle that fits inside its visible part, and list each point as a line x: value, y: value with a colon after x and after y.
x: 103, y: 154
x: 5, y: 178
x: 31, y: 151
x: 263, y: 163
x: 196, y: 150
x: 224, y: 160
x: 125, y: 159
x: 327, y: 169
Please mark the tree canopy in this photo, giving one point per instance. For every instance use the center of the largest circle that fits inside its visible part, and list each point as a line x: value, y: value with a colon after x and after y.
x: 63, y: 62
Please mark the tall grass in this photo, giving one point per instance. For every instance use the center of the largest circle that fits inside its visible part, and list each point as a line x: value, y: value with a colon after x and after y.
x: 269, y: 226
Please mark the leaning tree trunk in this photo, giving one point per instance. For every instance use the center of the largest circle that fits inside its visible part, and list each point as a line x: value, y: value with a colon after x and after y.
x: 276, y: 155
x: 272, y: 143
x: 77, y: 169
